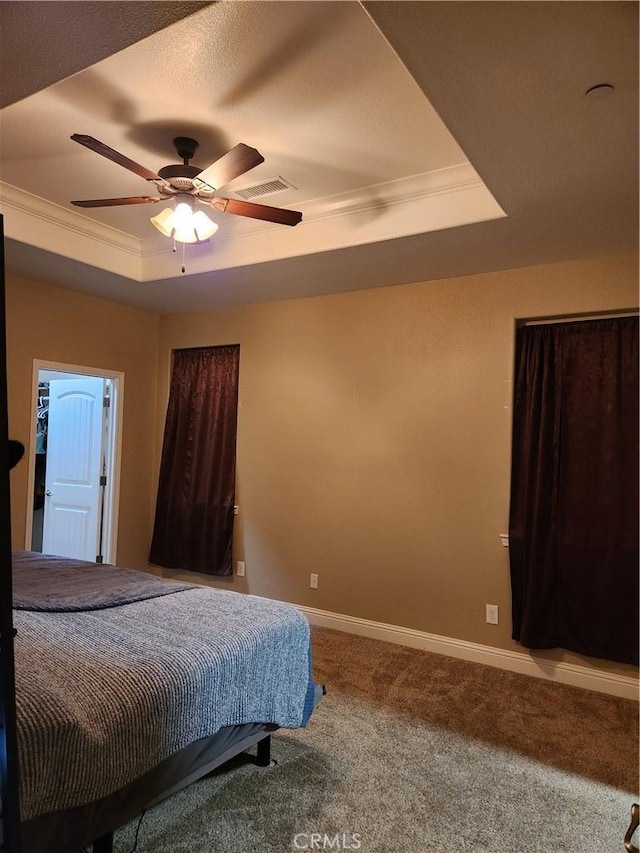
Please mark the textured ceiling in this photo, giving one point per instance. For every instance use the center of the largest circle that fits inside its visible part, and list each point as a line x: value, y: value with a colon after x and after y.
x: 252, y: 72
x: 507, y: 79
x: 43, y: 42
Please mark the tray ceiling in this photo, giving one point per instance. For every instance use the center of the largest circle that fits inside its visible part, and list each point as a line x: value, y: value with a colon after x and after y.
x: 346, y: 102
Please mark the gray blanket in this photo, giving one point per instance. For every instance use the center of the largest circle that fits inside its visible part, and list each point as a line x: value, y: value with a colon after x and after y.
x: 60, y: 584
x: 103, y: 695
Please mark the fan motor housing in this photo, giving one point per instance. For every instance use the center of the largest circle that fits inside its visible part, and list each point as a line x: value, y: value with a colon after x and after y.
x: 179, y: 171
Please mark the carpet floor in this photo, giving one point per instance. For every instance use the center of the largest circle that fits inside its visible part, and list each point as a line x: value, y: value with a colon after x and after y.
x: 412, y: 752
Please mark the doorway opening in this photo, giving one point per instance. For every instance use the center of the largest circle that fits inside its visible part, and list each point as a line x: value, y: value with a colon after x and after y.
x: 74, y: 462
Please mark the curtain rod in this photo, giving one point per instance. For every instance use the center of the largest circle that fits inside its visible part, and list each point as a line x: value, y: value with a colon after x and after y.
x: 578, y: 318
x: 204, y: 346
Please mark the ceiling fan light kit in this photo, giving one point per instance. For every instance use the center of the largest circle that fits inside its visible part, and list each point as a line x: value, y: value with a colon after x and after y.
x: 184, y: 224
x: 187, y: 186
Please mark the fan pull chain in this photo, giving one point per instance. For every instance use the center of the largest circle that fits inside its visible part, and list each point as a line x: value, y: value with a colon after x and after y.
x: 184, y: 249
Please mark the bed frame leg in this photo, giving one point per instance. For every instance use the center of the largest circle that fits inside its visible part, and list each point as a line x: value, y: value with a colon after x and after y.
x: 263, y: 758
x: 104, y: 844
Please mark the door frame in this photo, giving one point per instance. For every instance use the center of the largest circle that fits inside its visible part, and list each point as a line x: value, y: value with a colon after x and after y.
x: 113, y: 450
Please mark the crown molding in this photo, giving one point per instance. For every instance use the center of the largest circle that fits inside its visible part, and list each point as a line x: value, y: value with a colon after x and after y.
x: 445, y: 198
x: 24, y: 203
x: 457, y: 178
x: 46, y: 225
x: 367, y: 199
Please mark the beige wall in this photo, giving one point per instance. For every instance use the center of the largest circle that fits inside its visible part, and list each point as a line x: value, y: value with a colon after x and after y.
x: 45, y: 322
x: 374, y: 440
x: 374, y: 432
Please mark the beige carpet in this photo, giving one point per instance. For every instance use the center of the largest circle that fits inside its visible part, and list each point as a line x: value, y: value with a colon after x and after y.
x: 412, y: 752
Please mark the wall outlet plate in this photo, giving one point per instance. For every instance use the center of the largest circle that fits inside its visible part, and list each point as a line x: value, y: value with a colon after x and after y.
x: 492, y: 614
x: 240, y: 568
x: 313, y: 581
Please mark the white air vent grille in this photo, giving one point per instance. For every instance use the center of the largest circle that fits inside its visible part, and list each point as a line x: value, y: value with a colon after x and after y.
x: 269, y: 187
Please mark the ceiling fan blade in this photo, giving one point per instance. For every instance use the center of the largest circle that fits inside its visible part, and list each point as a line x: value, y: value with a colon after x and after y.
x: 112, y: 202
x: 116, y: 157
x: 280, y: 215
x: 231, y: 165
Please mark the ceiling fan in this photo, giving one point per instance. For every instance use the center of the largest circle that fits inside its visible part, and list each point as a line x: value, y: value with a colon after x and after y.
x: 188, y: 186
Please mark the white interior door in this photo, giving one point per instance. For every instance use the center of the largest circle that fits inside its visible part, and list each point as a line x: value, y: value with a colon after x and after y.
x: 74, y: 467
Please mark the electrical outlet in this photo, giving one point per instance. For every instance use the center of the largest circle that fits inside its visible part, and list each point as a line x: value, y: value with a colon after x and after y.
x: 240, y: 568
x: 492, y: 614
x: 313, y: 581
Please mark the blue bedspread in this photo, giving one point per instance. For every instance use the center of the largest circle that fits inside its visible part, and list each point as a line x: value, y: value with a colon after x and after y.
x: 103, y: 695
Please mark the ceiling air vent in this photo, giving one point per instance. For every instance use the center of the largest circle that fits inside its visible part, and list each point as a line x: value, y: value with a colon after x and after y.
x: 269, y: 187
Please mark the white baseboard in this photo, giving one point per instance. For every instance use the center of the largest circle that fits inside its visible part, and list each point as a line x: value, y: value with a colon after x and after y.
x: 524, y: 663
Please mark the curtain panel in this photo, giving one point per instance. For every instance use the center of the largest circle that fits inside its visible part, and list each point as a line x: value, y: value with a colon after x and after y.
x: 193, y: 526
x: 573, y: 530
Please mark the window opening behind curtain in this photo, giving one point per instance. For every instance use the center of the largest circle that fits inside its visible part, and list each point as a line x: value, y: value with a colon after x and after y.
x: 574, y: 493
x: 193, y: 526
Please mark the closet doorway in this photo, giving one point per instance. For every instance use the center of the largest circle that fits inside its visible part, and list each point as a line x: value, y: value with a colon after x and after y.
x: 74, y: 461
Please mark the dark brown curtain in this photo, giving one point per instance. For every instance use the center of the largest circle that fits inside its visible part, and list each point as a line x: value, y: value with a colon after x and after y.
x: 573, y: 531
x: 196, y: 490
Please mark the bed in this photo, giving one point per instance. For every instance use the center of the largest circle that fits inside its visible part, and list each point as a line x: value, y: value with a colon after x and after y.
x: 129, y: 687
